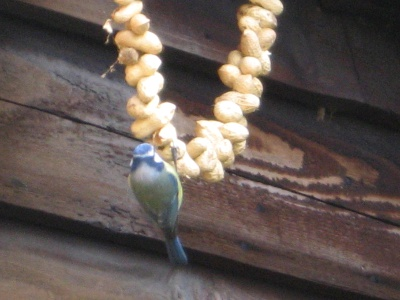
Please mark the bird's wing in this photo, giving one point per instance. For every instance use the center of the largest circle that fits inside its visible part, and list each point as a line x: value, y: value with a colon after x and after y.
x: 176, y: 182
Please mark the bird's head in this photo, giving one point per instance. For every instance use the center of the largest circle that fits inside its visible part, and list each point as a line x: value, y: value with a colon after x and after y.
x: 145, y: 153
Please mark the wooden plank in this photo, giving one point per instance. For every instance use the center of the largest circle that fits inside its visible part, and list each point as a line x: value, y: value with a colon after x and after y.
x: 378, y: 10
x: 78, y: 172
x: 311, y: 50
x: 59, y: 124
x: 340, y: 161
x: 39, y: 263
x: 199, y: 39
x: 312, y: 54
x: 369, y: 62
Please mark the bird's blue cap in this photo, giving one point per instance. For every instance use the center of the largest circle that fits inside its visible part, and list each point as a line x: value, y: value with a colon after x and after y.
x: 143, y: 150
x: 146, y: 153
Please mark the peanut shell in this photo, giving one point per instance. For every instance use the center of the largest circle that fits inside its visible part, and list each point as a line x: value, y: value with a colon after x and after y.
x: 275, y: 6
x: 247, y: 102
x: 249, y: 44
x: 139, y: 24
x: 266, y: 38
x: 210, y: 130
x: 148, y: 87
x: 228, y: 74
x: 164, y: 135
x: 149, y: 64
x: 207, y: 160
x: 187, y: 167
x: 227, y: 111
x: 265, y: 63
x: 224, y: 150
x: 139, y: 110
x: 234, y: 132
x: 166, y: 151
x: 250, y: 65
x: 239, y: 147
x: 248, y: 84
x: 215, y: 175
x: 147, y: 42
x: 143, y: 128
x: 124, y: 2
x: 124, y: 13
x: 248, y: 22
x: 128, y: 56
x: 265, y: 18
x: 197, y: 146
x: 234, y: 58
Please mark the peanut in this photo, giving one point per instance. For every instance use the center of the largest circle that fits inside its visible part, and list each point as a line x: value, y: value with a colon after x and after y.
x: 186, y: 166
x: 148, y: 87
x: 139, y: 110
x: 275, y: 6
x: 143, y: 128
x: 249, y: 44
x: 250, y: 65
x: 147, y: 42
x: 265, y: 18
x: 139, y: 24
x: 247, y: 102
x: 234, y: 132
x: 207, y: 160
x: 124, y: 13
x: 216, y: 174
x: 128, y: 56
x: 248, y: 84
x: 197, y: 146
x: 239, y: 147
x: 227, y: 111
x: 266, y: 38
x: 228, y: 74
x: 234, y: 58
x: 165, y: 135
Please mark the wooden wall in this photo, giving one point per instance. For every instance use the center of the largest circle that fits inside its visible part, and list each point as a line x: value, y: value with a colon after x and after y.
x: 41, y: 263
x: 311, y: 204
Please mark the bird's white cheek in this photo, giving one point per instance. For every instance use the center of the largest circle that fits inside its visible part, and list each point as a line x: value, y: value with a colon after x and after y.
x: 157, y: 158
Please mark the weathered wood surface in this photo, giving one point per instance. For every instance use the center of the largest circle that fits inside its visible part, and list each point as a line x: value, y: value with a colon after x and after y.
x: 316, y: 51
x: 384, y: 10
x: 38, y: 263
x: 78, y: 172
x: 317, y: 201
x: 342, y: 162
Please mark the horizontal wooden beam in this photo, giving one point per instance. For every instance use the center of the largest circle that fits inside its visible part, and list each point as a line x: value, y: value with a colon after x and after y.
x: 78, y: 172
x: 40, y: 263
x: 379, y: 10
x: 307, y: 199
x: 317, y: 52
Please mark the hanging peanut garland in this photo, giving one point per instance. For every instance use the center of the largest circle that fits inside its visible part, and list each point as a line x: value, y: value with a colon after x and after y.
x: 217, y: 141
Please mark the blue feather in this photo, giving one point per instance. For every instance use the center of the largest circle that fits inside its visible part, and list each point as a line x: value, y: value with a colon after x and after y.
x: 175, y: 251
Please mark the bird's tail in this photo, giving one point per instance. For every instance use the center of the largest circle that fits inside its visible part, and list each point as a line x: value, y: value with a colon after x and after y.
x: 175, y: 251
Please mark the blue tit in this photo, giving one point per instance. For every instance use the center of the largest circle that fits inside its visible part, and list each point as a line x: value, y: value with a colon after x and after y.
x: 156, y: 185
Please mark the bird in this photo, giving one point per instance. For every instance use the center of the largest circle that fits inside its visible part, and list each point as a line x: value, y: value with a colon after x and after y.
x: 157, y: 187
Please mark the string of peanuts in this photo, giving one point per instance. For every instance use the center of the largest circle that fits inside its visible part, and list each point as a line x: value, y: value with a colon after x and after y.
x: 217, y: 141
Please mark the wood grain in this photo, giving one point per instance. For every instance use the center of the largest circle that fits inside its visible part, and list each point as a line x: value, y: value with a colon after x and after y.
x: 79, y: 172
x: 340, y: 162
x: 315, y: 52
x: 38, y: 263
x: 316, y: 201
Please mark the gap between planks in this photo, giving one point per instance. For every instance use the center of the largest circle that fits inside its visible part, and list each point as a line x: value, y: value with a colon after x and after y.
x: 236, y: 172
